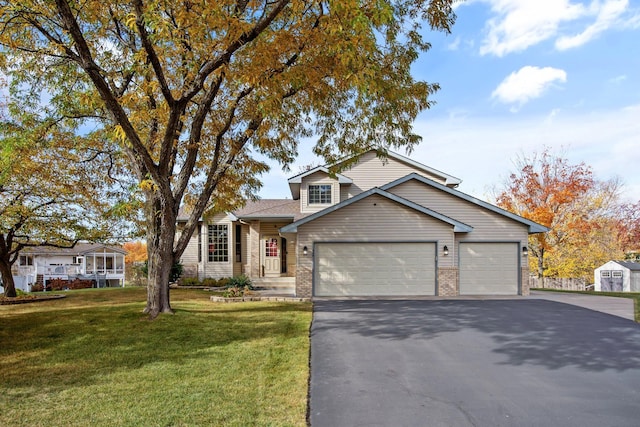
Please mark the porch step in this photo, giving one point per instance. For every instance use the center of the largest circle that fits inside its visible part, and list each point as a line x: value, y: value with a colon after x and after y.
x: 275, y: 283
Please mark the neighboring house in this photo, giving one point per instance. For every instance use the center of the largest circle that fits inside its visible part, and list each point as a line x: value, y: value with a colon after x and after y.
x: 381, y: 227
x: 102, y: 263
x: 617, y: 276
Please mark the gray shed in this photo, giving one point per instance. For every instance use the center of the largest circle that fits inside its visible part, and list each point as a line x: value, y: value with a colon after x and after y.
x: 617, y: 276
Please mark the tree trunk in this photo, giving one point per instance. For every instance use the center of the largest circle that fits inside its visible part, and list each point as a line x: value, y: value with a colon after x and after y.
x: 7, y: 278
x: 161, y: 231
x: 541, y: 266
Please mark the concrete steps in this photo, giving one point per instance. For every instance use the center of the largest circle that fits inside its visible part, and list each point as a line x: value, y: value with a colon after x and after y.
x: 285, y: 285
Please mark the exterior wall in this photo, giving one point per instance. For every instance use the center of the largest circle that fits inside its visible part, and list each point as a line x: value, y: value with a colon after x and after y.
x: 253, y: 267
x: 487, y: 225
x: 318, y: 178
x: 217, y: 269
x: 448, y: 282
x: 524, y: 281
x: 189, y: 258
x: 373, y: 219
x: 634, y: 282
x: 370, y: 171
x: 240, y: 264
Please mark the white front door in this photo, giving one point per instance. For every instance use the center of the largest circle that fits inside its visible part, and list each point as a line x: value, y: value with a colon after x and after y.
x: 271, y: 252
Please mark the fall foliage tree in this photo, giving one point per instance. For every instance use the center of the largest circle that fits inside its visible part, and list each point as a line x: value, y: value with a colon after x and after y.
x: 193, y: 90
x: 50, y: 194
x: 136, y: 251
x: 628, y: 227
x: 579, y: 210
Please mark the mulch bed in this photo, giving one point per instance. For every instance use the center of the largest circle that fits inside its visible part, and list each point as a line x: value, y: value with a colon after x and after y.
x: 25, y: 299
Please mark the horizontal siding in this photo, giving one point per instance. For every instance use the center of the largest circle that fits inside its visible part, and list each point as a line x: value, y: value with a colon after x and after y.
x: 487, y: 225
x: 376, y: 219
x: 318, y: 178
x: 371, y: 171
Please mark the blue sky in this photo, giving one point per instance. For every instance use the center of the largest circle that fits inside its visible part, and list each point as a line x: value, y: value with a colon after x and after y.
x: 517, y: 76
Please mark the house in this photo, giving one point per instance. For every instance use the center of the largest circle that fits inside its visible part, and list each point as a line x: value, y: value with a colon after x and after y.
x: 617, y: 276
x: 382, y: 226
x: 102, y: 263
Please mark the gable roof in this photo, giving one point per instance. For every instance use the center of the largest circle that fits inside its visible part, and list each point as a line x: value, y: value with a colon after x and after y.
x: 534, y: 227
x: 78, y: 249
x: 295, y: 181
x: 449, y: 180
x: 635, y: 266
x: 457, y: 225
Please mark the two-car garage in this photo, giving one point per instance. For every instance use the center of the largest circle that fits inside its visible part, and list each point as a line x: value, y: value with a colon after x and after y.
x: 375, y: 269
x: 409, y: 269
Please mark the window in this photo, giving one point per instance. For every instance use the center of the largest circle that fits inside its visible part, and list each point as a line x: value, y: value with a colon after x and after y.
x: 26, y: 260
x: 617, y: 274
x: 605, y: 274
x: 218, y: 243
x: 238, y: 242
x: 319, y: 194
x: 199, y: 243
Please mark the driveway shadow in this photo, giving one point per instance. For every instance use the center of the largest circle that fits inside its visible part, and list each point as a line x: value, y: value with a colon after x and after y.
x: 536, y: 332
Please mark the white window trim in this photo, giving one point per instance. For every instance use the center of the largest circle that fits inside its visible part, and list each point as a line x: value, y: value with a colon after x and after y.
x: 311, y: 203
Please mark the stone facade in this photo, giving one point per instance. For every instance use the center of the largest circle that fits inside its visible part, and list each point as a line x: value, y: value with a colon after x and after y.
x: 448, y: 282
x: 524, y: 280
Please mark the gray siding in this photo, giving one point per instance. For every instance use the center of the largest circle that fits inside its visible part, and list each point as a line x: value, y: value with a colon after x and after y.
x: 487, y: 225
x: 318, y: 178
x: 370, y: 171
x: 375, y: 219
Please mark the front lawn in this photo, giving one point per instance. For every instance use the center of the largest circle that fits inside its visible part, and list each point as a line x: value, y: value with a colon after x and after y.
x: 635, y: 296
x: 93, y: 358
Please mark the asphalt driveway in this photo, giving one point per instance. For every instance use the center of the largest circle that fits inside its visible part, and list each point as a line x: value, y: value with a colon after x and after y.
x: 519, y: 362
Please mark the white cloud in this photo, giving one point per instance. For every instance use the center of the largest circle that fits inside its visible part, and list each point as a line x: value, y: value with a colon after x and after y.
x: 454, y: 45
x: 519, y: 24
x: 608, y: 14
x: 527, y: 83
x: 618, y: 79
x: 481, y: 150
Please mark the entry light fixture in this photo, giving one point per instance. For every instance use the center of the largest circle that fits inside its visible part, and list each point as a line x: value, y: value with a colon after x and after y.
x: 445, y: 250
x: 305, y: 251
x: 525, y: 251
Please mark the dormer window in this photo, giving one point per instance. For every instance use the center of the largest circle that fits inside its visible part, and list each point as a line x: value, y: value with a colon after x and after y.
x: 320, y: 194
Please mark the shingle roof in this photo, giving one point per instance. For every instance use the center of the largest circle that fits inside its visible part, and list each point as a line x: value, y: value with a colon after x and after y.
x: 270, y: 208
x: 630, y: 265
x: 78, y: 249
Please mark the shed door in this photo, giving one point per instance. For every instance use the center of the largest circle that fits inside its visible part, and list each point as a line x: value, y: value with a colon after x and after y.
x: 611, y: 280
x: 489, y: 268
x: 374, y: 269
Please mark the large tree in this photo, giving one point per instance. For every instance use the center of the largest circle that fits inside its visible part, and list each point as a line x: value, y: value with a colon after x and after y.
x: 195, y: 90
x: 579, y: 209
x: 52, y: 191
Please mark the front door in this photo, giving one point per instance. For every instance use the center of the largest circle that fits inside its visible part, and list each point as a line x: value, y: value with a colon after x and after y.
x: 271, y: 250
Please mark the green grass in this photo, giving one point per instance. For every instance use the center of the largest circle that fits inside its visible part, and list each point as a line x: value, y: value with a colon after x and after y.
x: 635, y: 296
x: 94, y: 358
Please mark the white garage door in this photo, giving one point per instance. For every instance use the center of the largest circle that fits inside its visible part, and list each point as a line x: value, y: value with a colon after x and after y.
x: 374, y: 269
x: 488, y: 268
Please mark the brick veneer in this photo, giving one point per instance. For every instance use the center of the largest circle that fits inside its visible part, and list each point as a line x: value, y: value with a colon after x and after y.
x: 524, y: 280
x: 448, y: 281
x: 304, y: 279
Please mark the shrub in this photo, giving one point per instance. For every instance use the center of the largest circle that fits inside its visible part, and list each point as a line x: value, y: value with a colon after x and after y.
x: 190, y: 281
x: 209, y: 282
x: 176, y: 271
x: 240, y: 281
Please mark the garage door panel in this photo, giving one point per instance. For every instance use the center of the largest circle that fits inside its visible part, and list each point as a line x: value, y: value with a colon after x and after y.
x: 374, y: 269
x: 489, y: 268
